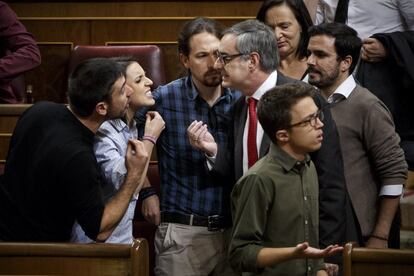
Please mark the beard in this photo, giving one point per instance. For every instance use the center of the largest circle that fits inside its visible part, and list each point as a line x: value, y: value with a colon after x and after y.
x: 212, y: 78
x: 116, y: 114
x: 325, y: 79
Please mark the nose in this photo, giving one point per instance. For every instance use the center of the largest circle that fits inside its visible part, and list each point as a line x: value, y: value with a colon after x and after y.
x: 310, y: 60
x: 148, y: 81
x: 319, y: 123
x: 278, y: 33
x: 211, y: 60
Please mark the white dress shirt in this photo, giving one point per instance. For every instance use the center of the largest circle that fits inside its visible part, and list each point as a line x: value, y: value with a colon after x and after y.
x: 269, y: 83
x: 369, y: 17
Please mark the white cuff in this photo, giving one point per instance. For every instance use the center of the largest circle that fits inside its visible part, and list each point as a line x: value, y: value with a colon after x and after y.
x: 391, y: 190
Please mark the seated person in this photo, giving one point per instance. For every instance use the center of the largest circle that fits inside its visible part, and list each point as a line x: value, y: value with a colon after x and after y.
x: 275, y: 204
x: 52, y: 178
x: 111, y: 143
x: 18, y: 53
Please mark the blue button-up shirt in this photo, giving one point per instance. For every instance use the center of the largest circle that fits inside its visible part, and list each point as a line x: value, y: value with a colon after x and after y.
x: 185, y: 185
x: 111, y: 142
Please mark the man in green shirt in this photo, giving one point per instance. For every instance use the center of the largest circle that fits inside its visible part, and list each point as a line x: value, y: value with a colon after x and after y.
x: 275, y: 204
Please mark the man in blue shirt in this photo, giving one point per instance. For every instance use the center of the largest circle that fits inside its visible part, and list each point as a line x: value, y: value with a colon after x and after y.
x: 194, y: 206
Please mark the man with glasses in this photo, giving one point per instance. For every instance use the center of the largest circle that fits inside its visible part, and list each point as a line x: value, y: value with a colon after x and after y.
x: 195, y: 207
x: 375, y: 168
x: 248, y: 58
x: 275, y: 204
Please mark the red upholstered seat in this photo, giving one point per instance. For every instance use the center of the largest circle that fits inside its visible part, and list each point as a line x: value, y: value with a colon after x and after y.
x: 148, y: 56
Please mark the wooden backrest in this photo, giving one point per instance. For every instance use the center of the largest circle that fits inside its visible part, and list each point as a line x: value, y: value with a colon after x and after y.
x: 74, y: 259
x: 367, y: 261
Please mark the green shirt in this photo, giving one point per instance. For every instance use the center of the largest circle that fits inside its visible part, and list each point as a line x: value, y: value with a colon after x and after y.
x: 275, y: 204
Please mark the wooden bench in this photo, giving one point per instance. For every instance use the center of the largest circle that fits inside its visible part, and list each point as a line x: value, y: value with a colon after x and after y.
x: 74, y: 259
x: 366, y: 261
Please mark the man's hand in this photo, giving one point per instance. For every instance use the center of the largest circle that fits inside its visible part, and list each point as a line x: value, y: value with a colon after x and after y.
x: 151, y: 209
x: 303, y: 250
x: 200, y: 138
x: 136, y: 158
x: 373, y: 50
x: 154, y: 124
x: 331, y: 269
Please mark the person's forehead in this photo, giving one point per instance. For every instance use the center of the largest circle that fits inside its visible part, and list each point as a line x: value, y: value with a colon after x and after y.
x: 203, y: 41
x: 304, y: 107
x: 322, y: 40
x: 228, y: 43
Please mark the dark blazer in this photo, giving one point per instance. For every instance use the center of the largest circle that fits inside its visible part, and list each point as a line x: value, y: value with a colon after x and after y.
x: 328, y: 162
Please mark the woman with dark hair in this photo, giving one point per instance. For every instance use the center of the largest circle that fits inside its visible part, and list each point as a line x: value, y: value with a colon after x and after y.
x: 290, y: 21
x: 111, y: 142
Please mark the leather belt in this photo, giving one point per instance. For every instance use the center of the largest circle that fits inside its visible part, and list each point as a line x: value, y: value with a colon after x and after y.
x: 213, y: 223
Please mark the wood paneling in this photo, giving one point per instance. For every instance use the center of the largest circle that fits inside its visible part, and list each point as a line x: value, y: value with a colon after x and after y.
x: 9, y: 114
x: 59, y: 26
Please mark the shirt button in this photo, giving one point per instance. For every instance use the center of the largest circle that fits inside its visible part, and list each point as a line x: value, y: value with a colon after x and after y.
x: 305, y: 198
x: 306, y: 221
x: 309, y: 268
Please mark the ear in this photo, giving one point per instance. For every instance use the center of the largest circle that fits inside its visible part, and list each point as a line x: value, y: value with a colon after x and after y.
x: 184, y: 60
x: 346, y: 64
x: 254, y: 60
x: 102, y: 108
x: 282, y: 136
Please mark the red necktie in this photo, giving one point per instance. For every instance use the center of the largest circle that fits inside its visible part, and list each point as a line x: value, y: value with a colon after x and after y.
x: 251, y: 137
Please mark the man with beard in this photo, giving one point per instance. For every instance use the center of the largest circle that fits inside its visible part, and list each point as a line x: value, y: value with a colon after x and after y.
x: 194, y: 207
x: 248, y: 57
x: 51, y: 176
x: 375, y: 169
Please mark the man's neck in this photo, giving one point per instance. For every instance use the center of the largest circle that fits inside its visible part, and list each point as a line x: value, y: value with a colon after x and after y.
x: 300, y: 156
x: 254, y: 82
x: 91, y: 122
x: 328, y: 91
x: 207, y: 93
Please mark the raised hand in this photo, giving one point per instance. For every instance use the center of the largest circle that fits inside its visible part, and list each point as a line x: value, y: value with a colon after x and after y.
x: 303, y: 250
x: 200, y: 138
x: 154, y: 124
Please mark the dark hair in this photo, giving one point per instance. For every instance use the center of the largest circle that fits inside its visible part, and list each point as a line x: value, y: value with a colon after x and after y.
x: 347, y: 42
x: 125, y: 61
x: 254, y: 36
x: 274, y: 108
x: 302, y: 16
x: 91, y: 82
x: 196, y: 26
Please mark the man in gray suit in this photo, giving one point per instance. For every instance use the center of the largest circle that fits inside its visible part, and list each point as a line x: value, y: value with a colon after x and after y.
x: 248, y: 58
x: 375, y: 169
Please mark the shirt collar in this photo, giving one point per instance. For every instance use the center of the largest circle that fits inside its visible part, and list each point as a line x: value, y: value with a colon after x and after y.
x: 345, y: 88
x: 287, y: 162
x: 269, y: 83
x: 119, y: 124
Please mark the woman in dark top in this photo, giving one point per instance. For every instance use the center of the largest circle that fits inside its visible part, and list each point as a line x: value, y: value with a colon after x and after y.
x: 290, y: 21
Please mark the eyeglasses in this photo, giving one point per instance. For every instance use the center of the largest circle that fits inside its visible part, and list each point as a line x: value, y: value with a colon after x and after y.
x: 226, y: 59
x: 312, y: 120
